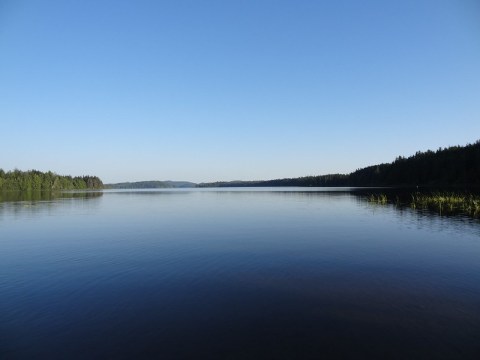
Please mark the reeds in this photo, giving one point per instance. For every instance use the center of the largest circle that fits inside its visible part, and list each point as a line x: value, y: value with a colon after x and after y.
x: 378, y: 199
x: 442, y: 202
x: 448, y: 203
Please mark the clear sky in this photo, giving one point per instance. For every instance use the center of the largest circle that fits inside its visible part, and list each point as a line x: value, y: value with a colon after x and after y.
x: 223, y: 90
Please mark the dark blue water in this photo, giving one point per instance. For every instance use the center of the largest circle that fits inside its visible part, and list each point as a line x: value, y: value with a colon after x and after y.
x: 243, y: 274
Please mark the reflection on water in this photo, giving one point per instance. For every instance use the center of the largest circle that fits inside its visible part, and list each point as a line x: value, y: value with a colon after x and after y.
x: 423, y: 218
x: 250, y: 273
x: 16, y: 203
x: 16, y: 196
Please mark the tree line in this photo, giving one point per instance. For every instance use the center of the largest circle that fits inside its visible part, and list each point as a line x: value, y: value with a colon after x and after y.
x: 452, y: 166
x: 34, y: 180
x: 321, y: 180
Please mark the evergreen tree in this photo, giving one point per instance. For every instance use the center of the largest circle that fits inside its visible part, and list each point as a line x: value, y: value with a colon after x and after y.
x: 35, y: 180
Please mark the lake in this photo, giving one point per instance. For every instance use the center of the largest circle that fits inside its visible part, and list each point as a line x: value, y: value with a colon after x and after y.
x: 270, y: 273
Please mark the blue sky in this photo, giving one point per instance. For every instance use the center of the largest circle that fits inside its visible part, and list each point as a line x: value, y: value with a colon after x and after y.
x: 224, y: 90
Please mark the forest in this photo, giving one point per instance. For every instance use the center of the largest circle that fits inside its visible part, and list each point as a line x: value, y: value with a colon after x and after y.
x: 452, y: 166
x: 34, y: 180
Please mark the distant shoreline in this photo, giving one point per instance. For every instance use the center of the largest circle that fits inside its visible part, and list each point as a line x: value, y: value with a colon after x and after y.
x: 453, y: 167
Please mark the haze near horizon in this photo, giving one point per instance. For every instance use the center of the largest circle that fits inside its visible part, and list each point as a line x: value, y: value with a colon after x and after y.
x: 214, y: 90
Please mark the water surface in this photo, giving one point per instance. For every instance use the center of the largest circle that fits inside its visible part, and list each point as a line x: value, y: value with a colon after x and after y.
x: 235, y: 274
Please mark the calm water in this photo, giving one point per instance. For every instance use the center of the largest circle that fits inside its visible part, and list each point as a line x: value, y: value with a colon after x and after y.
x: 235, y: 274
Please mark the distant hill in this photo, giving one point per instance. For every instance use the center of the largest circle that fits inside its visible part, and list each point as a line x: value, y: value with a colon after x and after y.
x: 452, y: 166
x: 180, y: 184
x: 154, y: 184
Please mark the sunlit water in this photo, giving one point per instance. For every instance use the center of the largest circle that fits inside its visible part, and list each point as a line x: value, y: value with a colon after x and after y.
x: 235, y: 274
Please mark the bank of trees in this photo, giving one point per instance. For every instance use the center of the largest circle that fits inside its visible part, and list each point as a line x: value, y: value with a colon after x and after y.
x: 453, y: 166
x: 456, y: 165
x: 35, y: 180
